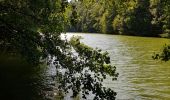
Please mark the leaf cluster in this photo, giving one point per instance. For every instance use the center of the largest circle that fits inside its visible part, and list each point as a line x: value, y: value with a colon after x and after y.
x: 84, y: 71
x: 31, y: 30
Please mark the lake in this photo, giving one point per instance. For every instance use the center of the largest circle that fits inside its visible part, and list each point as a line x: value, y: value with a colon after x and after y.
x: 140, y: 77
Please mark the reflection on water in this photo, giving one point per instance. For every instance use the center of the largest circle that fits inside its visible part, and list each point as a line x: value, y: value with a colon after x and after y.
x: 140, y: 77
x: 21, y: 81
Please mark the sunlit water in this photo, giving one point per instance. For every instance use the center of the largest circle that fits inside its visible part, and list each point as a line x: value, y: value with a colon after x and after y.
x: 140, y: 77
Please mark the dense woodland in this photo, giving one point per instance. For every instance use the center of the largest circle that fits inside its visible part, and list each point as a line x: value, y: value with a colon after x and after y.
x: 129, y: 17
x: 30, y: 39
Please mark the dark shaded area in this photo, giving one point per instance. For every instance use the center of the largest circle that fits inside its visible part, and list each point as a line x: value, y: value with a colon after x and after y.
x: 20, y: 80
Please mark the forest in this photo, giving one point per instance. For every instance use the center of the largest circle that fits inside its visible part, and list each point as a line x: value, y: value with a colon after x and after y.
x: 127, y: 17
x: 31, y: 44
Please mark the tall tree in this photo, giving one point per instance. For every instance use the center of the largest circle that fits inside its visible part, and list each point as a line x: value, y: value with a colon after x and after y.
x: 30, y: 30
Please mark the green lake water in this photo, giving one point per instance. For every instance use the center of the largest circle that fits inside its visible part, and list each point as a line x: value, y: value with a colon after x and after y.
x: 140, y: 77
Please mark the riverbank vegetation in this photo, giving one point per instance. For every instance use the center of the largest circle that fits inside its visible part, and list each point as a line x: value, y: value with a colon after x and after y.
x: 129, y: 17
x: 31, y: 36
x: 30, y: 41
x: 164, y: 55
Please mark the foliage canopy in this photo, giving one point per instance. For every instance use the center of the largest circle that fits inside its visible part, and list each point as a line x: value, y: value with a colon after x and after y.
x: 31, y: 29
x: 130, y: 17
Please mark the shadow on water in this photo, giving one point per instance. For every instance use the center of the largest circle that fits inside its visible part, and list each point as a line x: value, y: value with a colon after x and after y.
x: 21, y: 81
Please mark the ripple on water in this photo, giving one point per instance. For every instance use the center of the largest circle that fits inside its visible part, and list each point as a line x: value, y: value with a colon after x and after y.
x: 140, y: 77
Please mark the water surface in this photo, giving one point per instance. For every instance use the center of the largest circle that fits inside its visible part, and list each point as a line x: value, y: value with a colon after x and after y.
x: 140, y: 77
